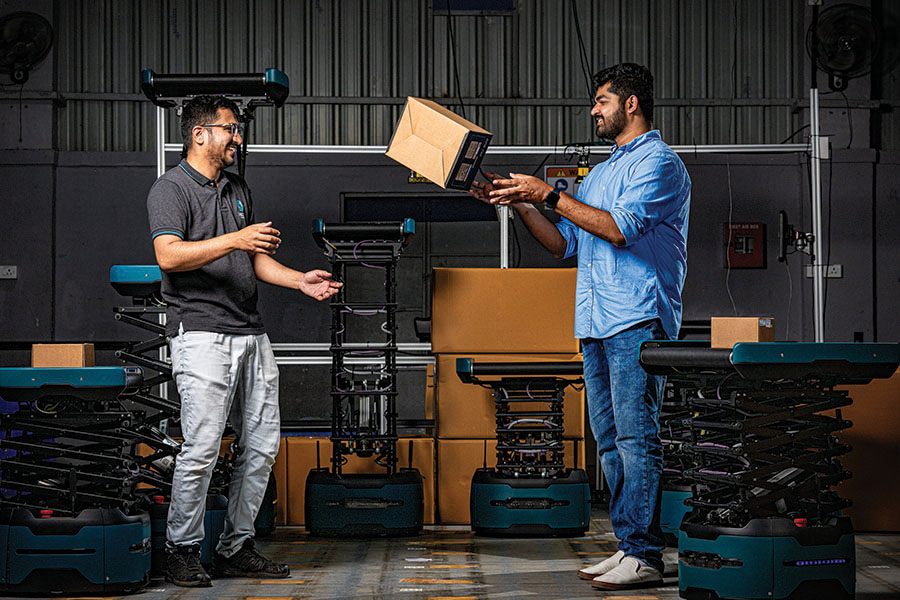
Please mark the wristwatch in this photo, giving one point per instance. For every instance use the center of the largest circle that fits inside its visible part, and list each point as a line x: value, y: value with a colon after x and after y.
x: 551, y: 200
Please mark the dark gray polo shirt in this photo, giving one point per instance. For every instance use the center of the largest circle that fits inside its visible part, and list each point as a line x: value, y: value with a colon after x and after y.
x: 221, y: 296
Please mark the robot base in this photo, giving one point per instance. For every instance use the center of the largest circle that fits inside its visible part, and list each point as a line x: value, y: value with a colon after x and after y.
x: 364, y: 505
x: 672, y: 511
x: 530, y: 506
x: 100, y: 551
x: 769, y: 559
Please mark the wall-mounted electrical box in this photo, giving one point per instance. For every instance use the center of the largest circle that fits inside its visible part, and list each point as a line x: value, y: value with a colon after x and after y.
x: 745, y: 245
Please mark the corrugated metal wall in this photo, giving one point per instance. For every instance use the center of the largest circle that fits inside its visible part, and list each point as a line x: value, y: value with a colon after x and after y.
x: 352, y: 62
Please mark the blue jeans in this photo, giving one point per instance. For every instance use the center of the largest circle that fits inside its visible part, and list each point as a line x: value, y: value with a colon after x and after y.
x: 223, y: 377
x: 623, y: 406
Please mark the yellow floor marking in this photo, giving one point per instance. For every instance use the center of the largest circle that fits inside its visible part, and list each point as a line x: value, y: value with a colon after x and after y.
x: 448, y: 566
x: 452, y: 553
x: 860, y: 542
x: 433, y: 580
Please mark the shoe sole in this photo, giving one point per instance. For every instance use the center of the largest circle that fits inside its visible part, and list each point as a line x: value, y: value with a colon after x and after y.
x: 587, y: 576
x: 191, y: 584
x: 602, y: 585
x: 228, y: 574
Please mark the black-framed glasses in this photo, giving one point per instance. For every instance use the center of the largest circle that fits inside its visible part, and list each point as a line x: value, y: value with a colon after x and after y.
x: 232, y: 128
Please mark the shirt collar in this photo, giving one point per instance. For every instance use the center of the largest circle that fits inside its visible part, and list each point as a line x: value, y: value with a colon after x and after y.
x: 194, y: 174
x: 640, y: 140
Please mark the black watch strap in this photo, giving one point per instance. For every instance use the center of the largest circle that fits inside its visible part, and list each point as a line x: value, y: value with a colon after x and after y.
x: 551, y: 200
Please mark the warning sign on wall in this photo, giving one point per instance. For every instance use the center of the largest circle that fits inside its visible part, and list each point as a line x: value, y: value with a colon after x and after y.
x: 562, y: 178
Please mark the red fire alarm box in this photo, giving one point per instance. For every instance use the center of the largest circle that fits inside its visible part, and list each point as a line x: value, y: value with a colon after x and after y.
x: 745, y: 245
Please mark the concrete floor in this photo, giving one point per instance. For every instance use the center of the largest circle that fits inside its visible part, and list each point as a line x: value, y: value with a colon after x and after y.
x: 445, y: 563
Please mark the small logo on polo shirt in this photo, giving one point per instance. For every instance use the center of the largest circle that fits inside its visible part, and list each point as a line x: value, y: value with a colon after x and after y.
x: 240, y: 207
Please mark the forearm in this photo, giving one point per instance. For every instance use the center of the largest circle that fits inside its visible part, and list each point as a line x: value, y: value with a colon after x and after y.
x: 542, y: 229
x: 187, y: 256
x: 593, y: 220
x: 271, y: 271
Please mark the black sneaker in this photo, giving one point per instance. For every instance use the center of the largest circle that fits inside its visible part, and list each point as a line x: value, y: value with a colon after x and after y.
x: 249, y: 562
x: 183, y: 567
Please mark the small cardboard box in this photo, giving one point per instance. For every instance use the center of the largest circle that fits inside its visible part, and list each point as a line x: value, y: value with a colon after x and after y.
x: 465, y: 410
x: 503, y: 311
x: 438, y: 144
x: 457, y: 461
x: 62, y: 355
x: 301, y: 459
x: 728, y: 331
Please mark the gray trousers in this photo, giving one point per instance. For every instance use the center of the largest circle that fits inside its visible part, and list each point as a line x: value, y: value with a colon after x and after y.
x: 221, y: 376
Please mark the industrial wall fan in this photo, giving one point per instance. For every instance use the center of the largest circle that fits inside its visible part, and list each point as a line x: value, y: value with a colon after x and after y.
x: 25, y: 39
x: 843, y: 41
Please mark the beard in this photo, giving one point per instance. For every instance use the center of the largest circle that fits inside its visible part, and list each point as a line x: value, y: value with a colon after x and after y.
x: 222, y: 157
x: 609, y: 129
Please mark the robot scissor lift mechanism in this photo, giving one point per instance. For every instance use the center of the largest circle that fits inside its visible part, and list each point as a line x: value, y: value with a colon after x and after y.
x: 364, y: 413
x: 762, y: 461
x: 530, y: 491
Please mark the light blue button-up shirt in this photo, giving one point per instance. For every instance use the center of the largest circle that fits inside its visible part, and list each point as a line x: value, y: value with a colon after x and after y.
x: 646, y: 189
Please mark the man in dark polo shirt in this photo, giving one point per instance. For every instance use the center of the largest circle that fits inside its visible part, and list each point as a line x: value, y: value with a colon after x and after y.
x: 211, y: 253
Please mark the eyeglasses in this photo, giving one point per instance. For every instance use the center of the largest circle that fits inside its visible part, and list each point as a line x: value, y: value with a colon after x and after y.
x: 233, y: 128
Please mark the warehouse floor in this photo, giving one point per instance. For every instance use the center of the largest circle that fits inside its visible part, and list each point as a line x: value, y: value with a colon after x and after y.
x: 453, y: 563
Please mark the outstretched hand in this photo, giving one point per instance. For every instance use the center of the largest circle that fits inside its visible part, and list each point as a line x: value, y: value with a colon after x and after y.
x: 518, y: 187
x: 482, y: 190
x: 319, y: 285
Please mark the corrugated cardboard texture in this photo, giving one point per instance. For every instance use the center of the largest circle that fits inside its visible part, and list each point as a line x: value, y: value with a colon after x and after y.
x: 457, y: 462
x: 875, y: 458
x: 728, y: 331
x: 428, y: 139
x: 62, y: 355
x: 465, y: 410
x: 503, y: 311
x: 301, y: 452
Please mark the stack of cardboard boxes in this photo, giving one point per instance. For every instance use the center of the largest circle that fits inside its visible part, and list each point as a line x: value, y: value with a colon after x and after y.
x: 494, y: 315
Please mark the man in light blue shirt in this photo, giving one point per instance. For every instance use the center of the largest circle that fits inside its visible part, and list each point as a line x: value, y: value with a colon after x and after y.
x: 628, y: 226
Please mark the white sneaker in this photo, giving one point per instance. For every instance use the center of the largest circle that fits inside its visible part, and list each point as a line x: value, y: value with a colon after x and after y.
x: 601, y: 568
x: 630, y: 573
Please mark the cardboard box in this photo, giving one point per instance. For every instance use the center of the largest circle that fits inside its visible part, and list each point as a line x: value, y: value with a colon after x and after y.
x: 438, y: 144
x: 62, y: 355
x: 728, y: 331
x: 457, y: 462
x: 465, y: 410
x: 301, y: 453
x: 875, y: 458
x: 503, y: 311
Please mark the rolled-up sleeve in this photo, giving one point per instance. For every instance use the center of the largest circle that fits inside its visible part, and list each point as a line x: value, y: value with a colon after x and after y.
x: 570, y: 233
x: 654, y: 192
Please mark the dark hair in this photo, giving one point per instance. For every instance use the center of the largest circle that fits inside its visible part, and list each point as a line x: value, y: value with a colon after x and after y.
x: 201, y: 110
x: 629, y: 79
